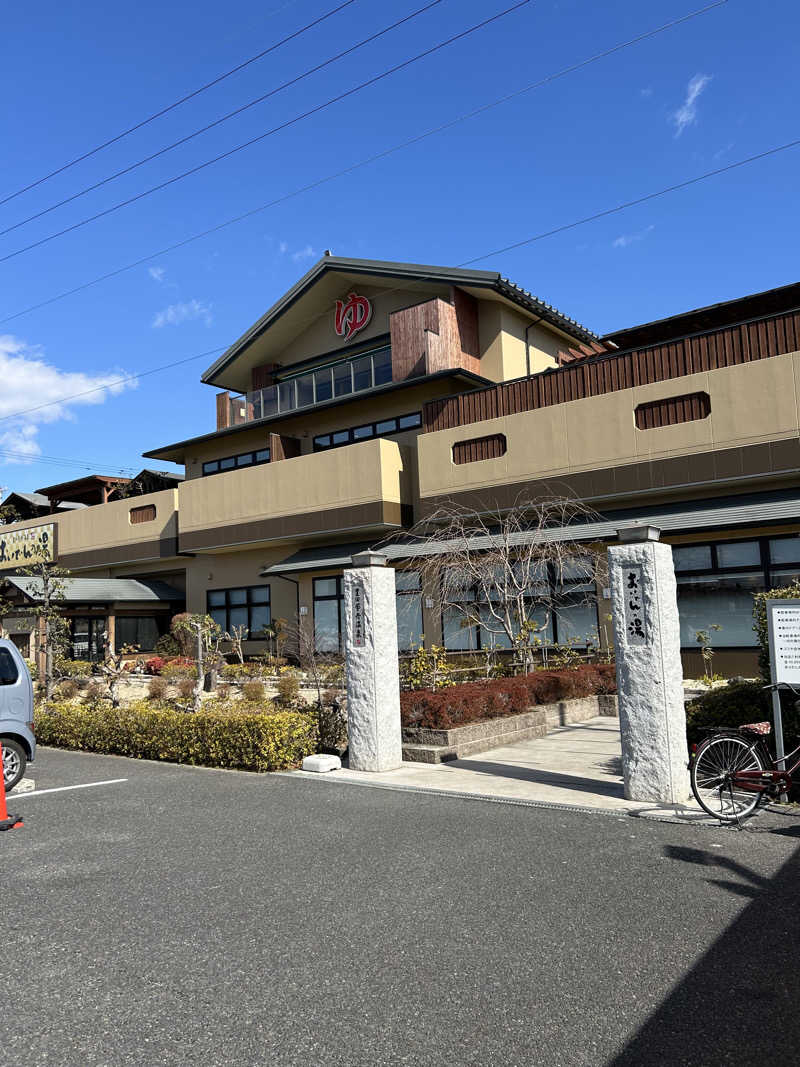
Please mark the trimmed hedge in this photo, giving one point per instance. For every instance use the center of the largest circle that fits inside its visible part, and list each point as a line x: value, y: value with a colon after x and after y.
x: 735, y: 705
x: 249, y: 742
x: 498, y: 697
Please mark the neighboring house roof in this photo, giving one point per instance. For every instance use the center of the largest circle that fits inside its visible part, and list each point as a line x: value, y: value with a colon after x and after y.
x: 759, y: 509
x: 99, y: 590
x: 480, y: 279
x: 89, y: 482
x: 711, y: 317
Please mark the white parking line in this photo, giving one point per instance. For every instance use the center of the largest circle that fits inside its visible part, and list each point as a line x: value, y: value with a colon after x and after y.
x: 63, y: 789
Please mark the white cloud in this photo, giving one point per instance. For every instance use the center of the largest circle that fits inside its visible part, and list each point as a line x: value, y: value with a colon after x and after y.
x: 175, y: 314
x: 157, y: 273
x: 686, y: 115
x: 283, y: 248
x: 304, y: 253
x: 626, y: 239
x: 646, y: 92
x: 29, y: 382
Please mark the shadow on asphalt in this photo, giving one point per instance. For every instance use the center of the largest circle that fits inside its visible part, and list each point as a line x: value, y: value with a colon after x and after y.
x: 738, y: 1004
x: 534, y: 774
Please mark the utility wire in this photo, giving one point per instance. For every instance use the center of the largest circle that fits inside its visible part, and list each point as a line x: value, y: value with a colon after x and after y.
x: 268, y: 133
x: 120, y: 381
x: 177, y: 103
x: 222, y: 119
x: 487, y: 255
x: 365, y: 162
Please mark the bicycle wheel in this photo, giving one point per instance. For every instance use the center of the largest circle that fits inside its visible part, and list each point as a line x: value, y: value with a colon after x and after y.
x: 716, y: 761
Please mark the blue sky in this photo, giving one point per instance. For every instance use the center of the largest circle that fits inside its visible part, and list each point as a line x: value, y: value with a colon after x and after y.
x: 718, y: 88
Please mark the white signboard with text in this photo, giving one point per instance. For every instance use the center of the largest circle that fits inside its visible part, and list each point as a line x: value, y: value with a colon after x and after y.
x: 783, y: 625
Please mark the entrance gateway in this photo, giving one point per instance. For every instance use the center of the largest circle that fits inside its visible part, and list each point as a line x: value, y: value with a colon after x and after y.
x: 649, y: 670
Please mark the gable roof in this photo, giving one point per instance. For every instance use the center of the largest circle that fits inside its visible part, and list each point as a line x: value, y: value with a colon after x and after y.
x: 409, y: 272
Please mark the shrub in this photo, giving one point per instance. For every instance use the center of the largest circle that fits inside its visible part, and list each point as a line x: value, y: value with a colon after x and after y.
x: 252, y: 742
x: 185, y: 687
x: 73, y: 668
x: 242, y: 672
x: 735, y: 705
x: 254, y: 692
x: 288, y: 690
x: 332, y: 723
x: 95, y: 691
x: 223, y: 692
x: 157, y: 688
x: 498, y: 697
x: 33, y: 670
x: 179, y: 668
x: 154, y: 665
x: 166, y: 646
x: 67, y: 690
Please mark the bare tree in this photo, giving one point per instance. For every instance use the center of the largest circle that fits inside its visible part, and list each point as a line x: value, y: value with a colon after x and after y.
x: 203, y: 636
x: 506, y: 571
x: 52, y: 631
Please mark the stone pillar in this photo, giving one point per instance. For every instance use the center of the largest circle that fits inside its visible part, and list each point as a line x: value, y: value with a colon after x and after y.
x: 649, y: 671
x: 372, y: 671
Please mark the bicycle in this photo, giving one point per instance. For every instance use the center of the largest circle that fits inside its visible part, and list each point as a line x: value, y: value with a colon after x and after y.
x: 733, y: 771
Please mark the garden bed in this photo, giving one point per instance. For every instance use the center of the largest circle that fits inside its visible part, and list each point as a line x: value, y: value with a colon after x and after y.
x: 427, y: 745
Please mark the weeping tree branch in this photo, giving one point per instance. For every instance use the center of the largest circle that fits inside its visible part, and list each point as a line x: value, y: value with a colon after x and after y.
x: 507, y: 571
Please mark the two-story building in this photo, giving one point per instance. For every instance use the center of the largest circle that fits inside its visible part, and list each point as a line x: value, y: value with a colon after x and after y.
x: 373, y: 392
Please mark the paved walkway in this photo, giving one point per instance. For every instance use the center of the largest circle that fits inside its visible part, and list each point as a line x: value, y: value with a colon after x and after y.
x: 576, y: 766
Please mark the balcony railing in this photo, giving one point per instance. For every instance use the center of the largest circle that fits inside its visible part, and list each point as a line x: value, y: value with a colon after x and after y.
x: 303, y: 391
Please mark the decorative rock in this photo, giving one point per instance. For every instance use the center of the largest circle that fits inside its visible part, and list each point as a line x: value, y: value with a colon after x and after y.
x: 372, y: 672
x: 321, y: 763
x: 649, y: 672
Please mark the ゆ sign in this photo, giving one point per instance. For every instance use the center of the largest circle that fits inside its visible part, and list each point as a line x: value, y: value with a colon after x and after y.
x: 352, y: 315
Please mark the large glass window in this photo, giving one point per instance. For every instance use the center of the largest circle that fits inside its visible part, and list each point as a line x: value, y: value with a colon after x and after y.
x: 243, y: 459
x: 575, y: 621
x: 328, y: 615
x: 384, y: 428
x: 141, y: 631
x: 409, y: 609
x: 247, y: 606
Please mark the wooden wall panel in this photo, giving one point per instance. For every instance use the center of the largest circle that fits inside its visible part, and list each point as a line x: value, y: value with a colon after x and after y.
x: 476, y: 448
x: 673, y: 410
x: 743, y: 343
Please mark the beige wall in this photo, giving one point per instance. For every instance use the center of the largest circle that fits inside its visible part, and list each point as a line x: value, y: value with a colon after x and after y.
x: 750, y: 403
x: 320, y: 338
x: 311, y: 423
x: 108, y: 525
x: 502, y: 342
x: 360, y: 474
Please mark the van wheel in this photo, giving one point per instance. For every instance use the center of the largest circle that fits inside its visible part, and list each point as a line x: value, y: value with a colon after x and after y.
x: 14, y: 762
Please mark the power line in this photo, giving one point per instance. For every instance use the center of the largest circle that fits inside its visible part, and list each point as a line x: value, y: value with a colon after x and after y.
x: 177, y: 103
x: 365, y: 162
x: 113, y: 385
x: 222, y: 119
x: 268, y: 133
x: 486, y: 255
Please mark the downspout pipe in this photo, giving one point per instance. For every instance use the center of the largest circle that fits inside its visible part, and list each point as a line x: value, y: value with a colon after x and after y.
x: 528, y: 346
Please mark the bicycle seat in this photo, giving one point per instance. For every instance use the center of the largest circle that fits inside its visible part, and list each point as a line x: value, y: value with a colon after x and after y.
x: 762, y: 729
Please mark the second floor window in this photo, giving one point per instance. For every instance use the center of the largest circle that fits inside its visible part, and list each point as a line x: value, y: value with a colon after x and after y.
x: 383, y: 428
x: 230, y: 463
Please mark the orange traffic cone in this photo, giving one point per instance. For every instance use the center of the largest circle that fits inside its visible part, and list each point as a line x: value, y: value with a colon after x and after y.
x: 7, y: 822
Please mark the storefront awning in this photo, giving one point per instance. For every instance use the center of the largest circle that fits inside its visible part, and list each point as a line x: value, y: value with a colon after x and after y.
x: 99, y: 590
x: 758, y: 510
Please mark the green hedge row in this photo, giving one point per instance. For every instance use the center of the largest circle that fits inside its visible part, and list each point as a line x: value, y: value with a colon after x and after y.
x: 736, y: 705
x: 249, y: 742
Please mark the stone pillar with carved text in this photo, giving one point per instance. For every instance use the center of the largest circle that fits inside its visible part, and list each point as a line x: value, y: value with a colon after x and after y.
x: 371, y: 665
x: 649, y: 670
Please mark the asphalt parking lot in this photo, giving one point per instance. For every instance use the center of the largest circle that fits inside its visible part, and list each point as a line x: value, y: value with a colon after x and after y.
x: 179, y: 915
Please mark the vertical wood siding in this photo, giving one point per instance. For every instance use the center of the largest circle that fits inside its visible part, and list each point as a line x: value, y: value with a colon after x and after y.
x: 743, y: 343
x: 491, y: 447
x: 673, y: 410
